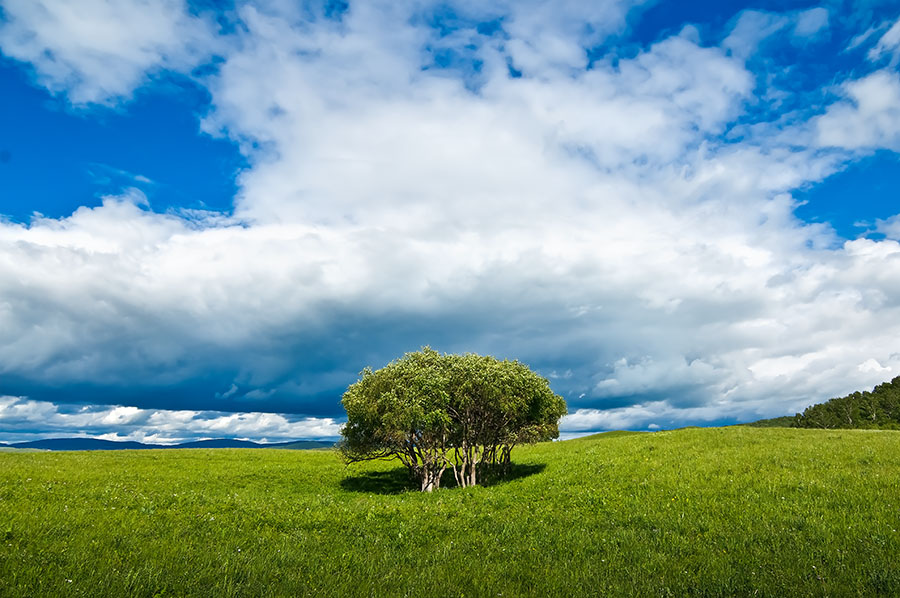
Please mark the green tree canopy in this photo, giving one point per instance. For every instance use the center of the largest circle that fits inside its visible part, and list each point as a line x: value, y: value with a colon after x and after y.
x: 878, y: 409
x: 437, y: 411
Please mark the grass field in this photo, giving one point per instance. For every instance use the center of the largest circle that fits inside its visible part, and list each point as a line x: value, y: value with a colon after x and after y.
x: 697, y: 512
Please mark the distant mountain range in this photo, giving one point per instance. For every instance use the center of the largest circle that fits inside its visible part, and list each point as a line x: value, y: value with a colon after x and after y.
x: 94, y: 444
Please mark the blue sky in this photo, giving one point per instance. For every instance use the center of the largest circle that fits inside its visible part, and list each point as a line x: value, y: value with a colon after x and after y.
x: 152, y: 144
x: 212, y: 218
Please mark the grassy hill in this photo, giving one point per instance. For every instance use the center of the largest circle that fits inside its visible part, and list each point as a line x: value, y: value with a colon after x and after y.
x: 699, y: 512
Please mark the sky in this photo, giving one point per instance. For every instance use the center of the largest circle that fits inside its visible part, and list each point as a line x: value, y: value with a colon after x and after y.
x: 214, y: 215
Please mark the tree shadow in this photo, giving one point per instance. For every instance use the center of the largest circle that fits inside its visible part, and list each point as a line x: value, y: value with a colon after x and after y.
x: 515, y: 471
x: 398, y: 480
x: 392, y: 481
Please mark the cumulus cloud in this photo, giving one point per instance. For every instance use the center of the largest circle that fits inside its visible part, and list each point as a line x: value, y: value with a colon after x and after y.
x: 433, y: 155
x: 23, y: 420
x: 649, y: 416
x: 868, y: 117
x: 889, y: 227
x: 595, y: 221
x: 99, y: 52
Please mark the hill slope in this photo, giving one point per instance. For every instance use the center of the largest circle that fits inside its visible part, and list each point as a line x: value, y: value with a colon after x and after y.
x: 733, y: 511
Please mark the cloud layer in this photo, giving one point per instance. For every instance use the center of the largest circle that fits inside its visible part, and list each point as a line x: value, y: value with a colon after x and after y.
x: 24, y: 420
x: 474, y: 180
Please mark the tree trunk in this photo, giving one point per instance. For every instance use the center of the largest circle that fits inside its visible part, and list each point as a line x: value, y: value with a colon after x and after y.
x: 464, y: 458
x: 431, y: 477
x: 427, y: 479
x: 457, y: 476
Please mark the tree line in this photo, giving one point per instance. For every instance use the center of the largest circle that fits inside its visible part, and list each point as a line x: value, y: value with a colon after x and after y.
x: 436, y: 412
x: 878, y: 409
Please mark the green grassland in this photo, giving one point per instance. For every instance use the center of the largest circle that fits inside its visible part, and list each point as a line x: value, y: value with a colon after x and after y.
x: 733, y: 511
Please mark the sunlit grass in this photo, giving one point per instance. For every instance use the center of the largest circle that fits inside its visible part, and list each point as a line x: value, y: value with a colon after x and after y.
x: 705, y: 512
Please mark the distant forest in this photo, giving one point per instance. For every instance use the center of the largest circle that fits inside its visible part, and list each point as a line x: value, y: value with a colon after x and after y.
x: 879, y: 409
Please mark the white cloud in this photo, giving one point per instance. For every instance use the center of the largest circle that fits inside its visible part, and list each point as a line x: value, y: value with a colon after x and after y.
x: 889, y: 227
x: 863, y: 37
x: 550, y: 35
x: 871, y: 365
x: 889, y: 43
x: 643, y: 416
x: 591, y: 222
x: 812, y: 22
x: 18, y: 416
x: 121, y: 416
x: 98, y: 51
x: 751, y: 28
x: 868, y: 118
x: 423, y: 148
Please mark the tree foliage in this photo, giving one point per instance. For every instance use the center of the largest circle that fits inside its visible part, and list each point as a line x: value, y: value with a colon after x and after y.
x: 879, y: 409
x: 436, y: 411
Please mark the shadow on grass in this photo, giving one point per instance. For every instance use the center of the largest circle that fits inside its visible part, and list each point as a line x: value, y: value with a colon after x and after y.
x: 395, y: 481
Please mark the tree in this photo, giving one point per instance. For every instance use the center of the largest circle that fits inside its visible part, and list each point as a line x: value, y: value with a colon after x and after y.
x: 879, y: 408
x: 434, y: 412
x: 495, y: 405
x: 400, y: 412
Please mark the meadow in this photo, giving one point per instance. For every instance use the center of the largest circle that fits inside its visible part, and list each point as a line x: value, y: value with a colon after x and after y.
x: 732, y: 511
